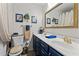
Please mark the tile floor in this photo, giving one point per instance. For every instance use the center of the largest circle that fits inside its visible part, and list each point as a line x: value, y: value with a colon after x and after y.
x: 29, y: 53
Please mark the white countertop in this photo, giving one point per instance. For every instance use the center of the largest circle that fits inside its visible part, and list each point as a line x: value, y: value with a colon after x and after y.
x: 61, y: 46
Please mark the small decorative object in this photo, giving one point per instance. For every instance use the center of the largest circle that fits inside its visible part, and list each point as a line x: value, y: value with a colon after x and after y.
x: 27, y: 17
x: 41, y: 30
x: 19, y: 18
x: 33, y: 19
x: 48, y: 20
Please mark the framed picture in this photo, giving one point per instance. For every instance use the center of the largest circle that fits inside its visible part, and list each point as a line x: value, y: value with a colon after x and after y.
x: 48, y: 20
x: 33, y: 19
x: 19, y: 17
x: 55, y: 21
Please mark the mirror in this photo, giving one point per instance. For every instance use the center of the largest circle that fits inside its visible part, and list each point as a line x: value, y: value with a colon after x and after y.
x: 63, y: 15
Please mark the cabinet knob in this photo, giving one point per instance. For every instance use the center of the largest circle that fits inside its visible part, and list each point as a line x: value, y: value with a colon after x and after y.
x: 49, y: 54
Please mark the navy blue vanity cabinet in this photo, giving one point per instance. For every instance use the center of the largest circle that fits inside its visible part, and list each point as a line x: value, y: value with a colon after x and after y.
x: 53, y: 52
x: 36, y: 45
x: 43, y: 52
x: 43, y: 49
x: 40, y: 47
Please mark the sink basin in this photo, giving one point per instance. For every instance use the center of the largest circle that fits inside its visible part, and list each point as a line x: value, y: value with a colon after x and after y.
x: 63, y: 46
x: 59, y: 42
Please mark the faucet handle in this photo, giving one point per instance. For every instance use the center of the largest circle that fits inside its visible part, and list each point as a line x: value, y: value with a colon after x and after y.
x: 67, y: 39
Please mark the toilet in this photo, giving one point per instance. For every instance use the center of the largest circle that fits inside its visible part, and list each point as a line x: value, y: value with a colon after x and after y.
x: 18, y: 45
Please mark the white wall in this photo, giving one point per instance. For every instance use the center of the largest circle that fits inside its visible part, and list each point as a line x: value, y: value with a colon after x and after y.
x: 50, y: 5
x: 32, y: 9
x: 74, y: 32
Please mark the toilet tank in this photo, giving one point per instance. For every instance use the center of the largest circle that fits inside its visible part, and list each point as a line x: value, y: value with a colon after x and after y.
x: 18, y: 40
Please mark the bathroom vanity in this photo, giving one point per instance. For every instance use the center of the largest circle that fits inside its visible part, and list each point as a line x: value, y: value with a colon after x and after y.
x: 53, y: 47
x: 41, y: 48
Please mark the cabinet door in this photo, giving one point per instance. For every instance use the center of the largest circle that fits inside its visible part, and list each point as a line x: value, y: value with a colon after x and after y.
x: 43, y: 48
x: 36, y: 45
x: 34, y: 41
x: 53, y: 52
x: 43, y: 52
x: 43, y: 45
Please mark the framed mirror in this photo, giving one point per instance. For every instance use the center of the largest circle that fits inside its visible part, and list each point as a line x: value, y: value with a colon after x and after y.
x: 63, y: 15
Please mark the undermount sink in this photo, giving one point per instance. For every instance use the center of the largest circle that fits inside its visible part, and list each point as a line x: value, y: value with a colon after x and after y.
x: 59, y: 43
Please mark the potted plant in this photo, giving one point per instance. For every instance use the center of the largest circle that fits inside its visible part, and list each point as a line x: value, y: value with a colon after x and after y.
x: 27, y: 17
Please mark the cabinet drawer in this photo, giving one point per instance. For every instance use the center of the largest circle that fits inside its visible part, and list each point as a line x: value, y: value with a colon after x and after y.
x: 53, y: 52
x: 43, y: 52
x: 44, y: 45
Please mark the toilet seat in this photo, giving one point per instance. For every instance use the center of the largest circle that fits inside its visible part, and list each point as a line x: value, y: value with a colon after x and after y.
x: 15, y: 51
x: 18, y: 45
